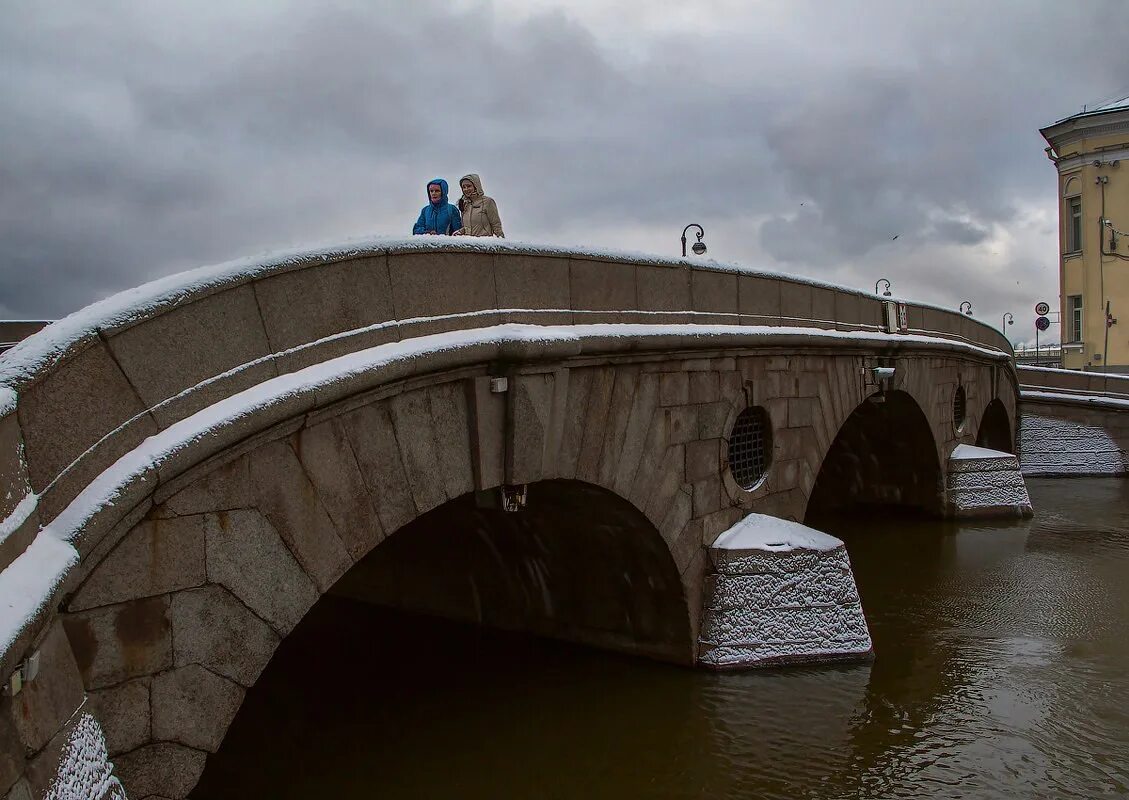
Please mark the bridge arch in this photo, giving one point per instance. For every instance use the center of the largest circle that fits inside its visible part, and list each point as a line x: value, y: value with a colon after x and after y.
x: 173, y: 623
x: 577, y: 562
x: 995, y: 430
x: 884, y: 454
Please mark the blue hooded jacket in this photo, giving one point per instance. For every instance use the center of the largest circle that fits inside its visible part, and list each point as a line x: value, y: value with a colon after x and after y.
x: 441, y: 217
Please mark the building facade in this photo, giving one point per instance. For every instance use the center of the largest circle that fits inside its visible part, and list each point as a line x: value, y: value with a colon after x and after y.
x: 1091, y: 153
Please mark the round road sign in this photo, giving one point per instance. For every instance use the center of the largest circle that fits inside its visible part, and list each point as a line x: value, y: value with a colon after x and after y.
x: 1042, y: 323
x: 1041, y: 309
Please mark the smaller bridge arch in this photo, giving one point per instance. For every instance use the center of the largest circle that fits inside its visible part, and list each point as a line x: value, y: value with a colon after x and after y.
x: 883, y: 454
x: 995, y: 431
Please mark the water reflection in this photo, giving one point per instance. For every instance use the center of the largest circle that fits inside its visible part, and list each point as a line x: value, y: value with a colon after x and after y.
x: 1000, y: 673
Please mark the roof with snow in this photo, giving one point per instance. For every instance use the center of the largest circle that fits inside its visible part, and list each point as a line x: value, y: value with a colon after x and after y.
x: 1120, y: 103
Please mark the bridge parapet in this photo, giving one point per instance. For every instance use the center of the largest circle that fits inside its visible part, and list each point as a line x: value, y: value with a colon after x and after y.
x: 1072, y: 381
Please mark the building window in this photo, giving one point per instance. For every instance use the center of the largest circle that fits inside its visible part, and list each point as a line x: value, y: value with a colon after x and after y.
x: 1074, y: 309
x: 1074, y: 224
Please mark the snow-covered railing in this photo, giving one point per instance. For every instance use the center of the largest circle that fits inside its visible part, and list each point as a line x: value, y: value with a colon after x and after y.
x: 1071, y: 382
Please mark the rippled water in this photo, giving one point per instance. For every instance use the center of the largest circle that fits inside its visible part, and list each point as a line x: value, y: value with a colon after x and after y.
x: 1001, y: 672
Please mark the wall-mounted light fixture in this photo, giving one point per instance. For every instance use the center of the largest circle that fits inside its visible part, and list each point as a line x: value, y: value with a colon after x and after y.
x: 886, y: 292
x: 968, y: 310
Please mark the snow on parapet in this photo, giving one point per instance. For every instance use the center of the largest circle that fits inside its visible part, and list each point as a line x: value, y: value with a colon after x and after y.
x: 18, y: 517
x: 145, y: 301
x: 1099, y: 400
x: 7, y: 401
x: 29, y: 582
x: 762, y: 532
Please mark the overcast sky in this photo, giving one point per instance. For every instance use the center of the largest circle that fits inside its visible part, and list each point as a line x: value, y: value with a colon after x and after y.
x: 140, y: 139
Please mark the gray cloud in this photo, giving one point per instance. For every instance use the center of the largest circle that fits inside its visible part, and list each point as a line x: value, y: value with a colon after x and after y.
x: 138, y: 141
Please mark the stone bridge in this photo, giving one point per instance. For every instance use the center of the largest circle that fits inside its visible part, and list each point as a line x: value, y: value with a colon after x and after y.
x: 188, y: 466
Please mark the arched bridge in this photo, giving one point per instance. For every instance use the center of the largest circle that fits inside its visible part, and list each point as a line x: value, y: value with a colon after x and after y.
x: 188, y: 466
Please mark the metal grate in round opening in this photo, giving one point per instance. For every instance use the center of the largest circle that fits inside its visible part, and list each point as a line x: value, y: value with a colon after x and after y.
x: 958, y: 408
x: 750, y: 444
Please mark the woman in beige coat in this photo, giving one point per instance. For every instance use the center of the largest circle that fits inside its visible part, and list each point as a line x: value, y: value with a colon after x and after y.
x: 480, y: 213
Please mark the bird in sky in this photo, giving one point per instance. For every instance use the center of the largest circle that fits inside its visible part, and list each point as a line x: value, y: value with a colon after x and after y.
x: 896, y: 235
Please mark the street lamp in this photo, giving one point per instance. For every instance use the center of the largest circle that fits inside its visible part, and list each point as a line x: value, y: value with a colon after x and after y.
x: 1008, y: 319
x: 886, y: 281
x: 699, y: 247
x: 966, y: 303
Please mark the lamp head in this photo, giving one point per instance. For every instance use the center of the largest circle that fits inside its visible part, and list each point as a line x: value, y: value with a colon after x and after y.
x: 698, y: 247
x: 886, y: 293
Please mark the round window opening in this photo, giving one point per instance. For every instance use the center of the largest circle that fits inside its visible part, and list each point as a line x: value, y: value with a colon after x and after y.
x: 958, y: 408
x: 750, y: 444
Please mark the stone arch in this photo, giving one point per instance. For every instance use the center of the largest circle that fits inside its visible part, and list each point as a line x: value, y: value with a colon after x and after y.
x: 995, y: 431
x: 577, y: 562
x: 884, y: 454
x: 174, y: 623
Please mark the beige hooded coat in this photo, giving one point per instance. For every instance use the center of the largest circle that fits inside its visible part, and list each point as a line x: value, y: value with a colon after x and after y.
x: 480, y: 215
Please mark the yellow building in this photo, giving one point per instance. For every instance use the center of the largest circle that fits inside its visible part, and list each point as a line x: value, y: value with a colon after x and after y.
x: 1091, y: 152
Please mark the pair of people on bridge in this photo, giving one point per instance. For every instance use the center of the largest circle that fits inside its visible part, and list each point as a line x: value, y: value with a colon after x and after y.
x: 476, y: 215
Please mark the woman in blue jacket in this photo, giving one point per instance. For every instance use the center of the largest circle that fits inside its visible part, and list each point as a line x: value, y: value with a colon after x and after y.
x: 438, y: 216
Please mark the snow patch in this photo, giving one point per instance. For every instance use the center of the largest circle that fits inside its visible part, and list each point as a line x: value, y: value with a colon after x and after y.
x: 964, y: 452
x: 762, y: 532
x: 7, y: 401
x: 85, y: 771
x: 18, y: 517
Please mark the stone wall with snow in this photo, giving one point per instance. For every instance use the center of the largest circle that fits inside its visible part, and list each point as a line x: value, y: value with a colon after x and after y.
x: 781, y: 593
x: 1069, y: 441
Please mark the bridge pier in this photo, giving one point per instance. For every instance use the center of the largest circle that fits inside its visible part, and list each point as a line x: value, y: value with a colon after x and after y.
x: 985, y: 483
x: 780, y: 593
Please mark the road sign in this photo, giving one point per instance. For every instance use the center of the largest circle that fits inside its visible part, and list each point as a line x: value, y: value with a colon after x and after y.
x: 1042, y: 309
x: 1042, y: 323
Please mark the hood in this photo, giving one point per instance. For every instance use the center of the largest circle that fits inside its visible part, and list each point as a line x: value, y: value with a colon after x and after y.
x: 473, y: 178
x: 442, y: 185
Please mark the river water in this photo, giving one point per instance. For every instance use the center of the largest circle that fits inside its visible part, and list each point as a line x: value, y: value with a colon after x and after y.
x: 1001, y: 672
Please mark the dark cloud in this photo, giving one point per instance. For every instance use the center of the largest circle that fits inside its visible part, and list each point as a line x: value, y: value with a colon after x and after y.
x: 141, y: 139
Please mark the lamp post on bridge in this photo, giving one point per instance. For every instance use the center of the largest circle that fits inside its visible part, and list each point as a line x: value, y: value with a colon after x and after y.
x: 699, y: 247
x: 1007, y: 319
x: 886, y: 292
x: 962, y: 309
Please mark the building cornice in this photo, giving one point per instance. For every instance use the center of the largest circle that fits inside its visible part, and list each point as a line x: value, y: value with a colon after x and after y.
x: 1086, y: 159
